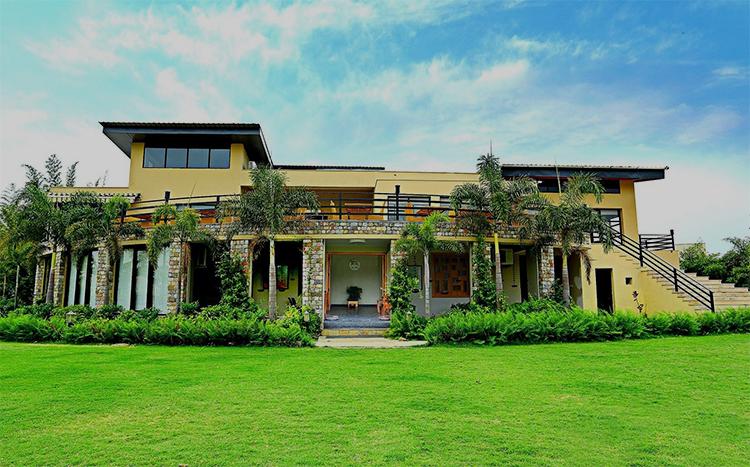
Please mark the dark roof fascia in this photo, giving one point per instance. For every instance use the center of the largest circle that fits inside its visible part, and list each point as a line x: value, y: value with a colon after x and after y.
x: 123, y: 133
x: 608, y: 173
x: 326, y: 167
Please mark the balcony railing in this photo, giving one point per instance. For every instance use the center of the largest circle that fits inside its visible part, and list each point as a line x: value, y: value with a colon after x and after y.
x: 657, y: 242
x: 344, y: 205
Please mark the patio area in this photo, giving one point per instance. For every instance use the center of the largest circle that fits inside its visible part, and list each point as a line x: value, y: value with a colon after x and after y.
x: 366, y: 316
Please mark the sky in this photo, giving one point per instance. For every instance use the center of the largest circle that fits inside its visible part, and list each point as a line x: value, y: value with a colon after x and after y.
x: 418, y: 84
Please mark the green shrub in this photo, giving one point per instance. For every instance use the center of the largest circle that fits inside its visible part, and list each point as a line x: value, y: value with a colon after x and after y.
x: 409, y: 325
x: 303, y: 316
x: 231, y: 272
x: 40, y: 310
x: 109, y: 311
x: 471, y: 307
x: 189, y: 308
x: 576, y: 325
x: 400, y: 289
x: 74, y: 312
x: 171, y: 330
x: 145, y: 314
x: 484, y: 293
x: 537, y: 305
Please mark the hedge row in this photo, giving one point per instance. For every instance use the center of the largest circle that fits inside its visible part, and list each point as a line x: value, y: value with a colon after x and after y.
x: 578, y: 325
x: 171, y: 330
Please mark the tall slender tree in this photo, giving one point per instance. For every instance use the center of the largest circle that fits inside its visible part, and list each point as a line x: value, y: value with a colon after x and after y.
x: 107, y: 229
x: 173, y: 225
x: 268, y: 209
x: 420, y: 239
x: 507, y: 201
x: 571, y: 222
x: 15, y: 250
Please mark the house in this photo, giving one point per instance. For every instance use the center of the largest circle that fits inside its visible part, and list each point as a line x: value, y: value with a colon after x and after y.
x: 350, y: 240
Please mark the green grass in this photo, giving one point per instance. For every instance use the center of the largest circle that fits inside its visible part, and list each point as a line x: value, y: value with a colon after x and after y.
x: 662, y: 401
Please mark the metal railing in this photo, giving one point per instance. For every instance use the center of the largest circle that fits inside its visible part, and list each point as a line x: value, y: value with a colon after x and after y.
x: 657, y: 242
x: 677, y: 278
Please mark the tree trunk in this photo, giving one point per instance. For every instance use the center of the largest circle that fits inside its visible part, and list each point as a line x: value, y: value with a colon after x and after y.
x: 179, y: 277
x: 427, y: 291
x: 499, y: 286
x: 5, y: 283
x: 15, y: 292
x: 249, y: 259
x: 54, y: 258
x: 565, y: 280
x: 272, y: 279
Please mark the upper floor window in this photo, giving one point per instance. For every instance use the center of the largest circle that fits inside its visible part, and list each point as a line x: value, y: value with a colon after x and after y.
x: 180, y: 158
x: 550, y: 185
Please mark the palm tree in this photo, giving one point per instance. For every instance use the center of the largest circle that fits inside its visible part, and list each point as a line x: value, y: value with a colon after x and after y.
x: 172, y: 225
x: 507, y: 201
x: 571, y: 222
x: 419, y: 240
x: 107, y: 229
x: 15, y: 250
x: 267, y: 210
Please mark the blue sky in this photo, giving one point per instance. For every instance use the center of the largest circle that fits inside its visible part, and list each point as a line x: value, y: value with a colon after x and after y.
x: 409, y: 85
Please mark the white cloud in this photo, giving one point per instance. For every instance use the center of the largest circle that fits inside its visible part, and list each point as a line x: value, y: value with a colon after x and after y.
x: 200, y: 101
x: 711, y: 123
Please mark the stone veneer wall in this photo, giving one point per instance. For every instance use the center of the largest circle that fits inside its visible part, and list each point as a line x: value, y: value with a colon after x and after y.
x: 173, y: 275
x: 58, y: 292
x: 395, y: 257
x: 102, y: 277
x: 241, y: 249
x: 313, y: 273
x: 39, y: 280
x: 487, y: 254
x: 546, y: 271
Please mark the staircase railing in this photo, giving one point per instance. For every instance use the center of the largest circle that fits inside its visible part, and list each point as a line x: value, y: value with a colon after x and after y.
x: 679, y: 280
x: 656, y: 242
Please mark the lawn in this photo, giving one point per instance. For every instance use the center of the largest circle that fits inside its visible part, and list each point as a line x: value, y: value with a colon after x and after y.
x: 661, y: 401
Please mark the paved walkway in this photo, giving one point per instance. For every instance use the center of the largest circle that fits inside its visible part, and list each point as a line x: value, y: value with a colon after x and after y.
x: 366, y: 343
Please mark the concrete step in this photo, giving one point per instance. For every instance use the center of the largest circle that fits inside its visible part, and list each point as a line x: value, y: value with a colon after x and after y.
x: 354, y: 332
x: 365, y: 343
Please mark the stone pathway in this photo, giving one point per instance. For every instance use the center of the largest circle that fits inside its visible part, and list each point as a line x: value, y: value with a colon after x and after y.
x: 365, y: 343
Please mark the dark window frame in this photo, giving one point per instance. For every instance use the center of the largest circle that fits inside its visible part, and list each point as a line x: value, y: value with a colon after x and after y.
x: 187, y: 157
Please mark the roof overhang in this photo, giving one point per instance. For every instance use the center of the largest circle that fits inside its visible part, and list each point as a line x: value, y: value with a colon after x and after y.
x: 638, y: 174
x: 123, y: 134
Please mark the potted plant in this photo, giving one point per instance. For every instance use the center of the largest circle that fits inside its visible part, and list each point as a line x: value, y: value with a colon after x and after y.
x: 354, y: 293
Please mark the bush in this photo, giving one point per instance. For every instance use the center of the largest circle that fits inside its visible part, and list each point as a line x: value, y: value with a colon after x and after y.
x: 223, y: 311
x: 172, y: 330
x: 40, y: 310
x: 189, y: 308
x: 109, y: 311
x: 409, y: 325
x: 146, y: 314
x: 231, y: 272
x: 576, y: 325
x: 304, y: 317
x: 75, y: 311
x: 484, y: 293
x: 537, y: 305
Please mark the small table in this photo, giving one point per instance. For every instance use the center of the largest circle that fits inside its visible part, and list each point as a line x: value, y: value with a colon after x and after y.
x: 353, y: 304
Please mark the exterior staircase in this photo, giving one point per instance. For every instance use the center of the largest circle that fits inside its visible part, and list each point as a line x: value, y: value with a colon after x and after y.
x: 726, y: 295
x: 697, y: 292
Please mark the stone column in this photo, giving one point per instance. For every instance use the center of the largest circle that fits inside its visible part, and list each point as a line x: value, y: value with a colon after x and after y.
x: 241, y: 249
x: 173, y: 275
x: 546, y: 271
x: 39, y: 278
x: 58, y: 291
x: 102, y: 268
x: 487, y: 254
x: 313, y: 273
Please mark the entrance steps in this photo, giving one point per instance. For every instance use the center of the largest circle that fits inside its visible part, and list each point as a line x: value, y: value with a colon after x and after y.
x: 354, y: 332
x: 365, y: 343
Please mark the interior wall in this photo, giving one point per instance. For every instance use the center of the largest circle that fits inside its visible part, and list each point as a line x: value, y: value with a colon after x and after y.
x: 289, y: 254
x: 367, y: 277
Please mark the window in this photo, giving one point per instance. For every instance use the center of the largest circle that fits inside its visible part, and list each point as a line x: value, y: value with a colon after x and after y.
x: 81, y: 280
x: 198, y: 158
x: 449, y: 275
x: 154, y: 157
x: 219, y: 158
x: 611, y: 186
x: 138, y: 284
x: 176, y: 158
x: 180, y: 158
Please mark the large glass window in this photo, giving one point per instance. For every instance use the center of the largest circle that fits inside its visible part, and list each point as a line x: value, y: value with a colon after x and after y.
x: 177, y: 158
x: 198, y: 158
x: 154, y: 157
x: 125, y: 278
x: 180, y: 158
x: 219, y: 158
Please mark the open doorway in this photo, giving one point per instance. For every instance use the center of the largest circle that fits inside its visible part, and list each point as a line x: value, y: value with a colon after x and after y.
x: 604, y: 299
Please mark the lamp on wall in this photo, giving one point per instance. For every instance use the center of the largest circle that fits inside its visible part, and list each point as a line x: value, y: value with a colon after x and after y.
x: 357, y: 241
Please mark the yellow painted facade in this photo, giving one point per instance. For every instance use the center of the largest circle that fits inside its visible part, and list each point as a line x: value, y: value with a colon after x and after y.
x: 627, y: 275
